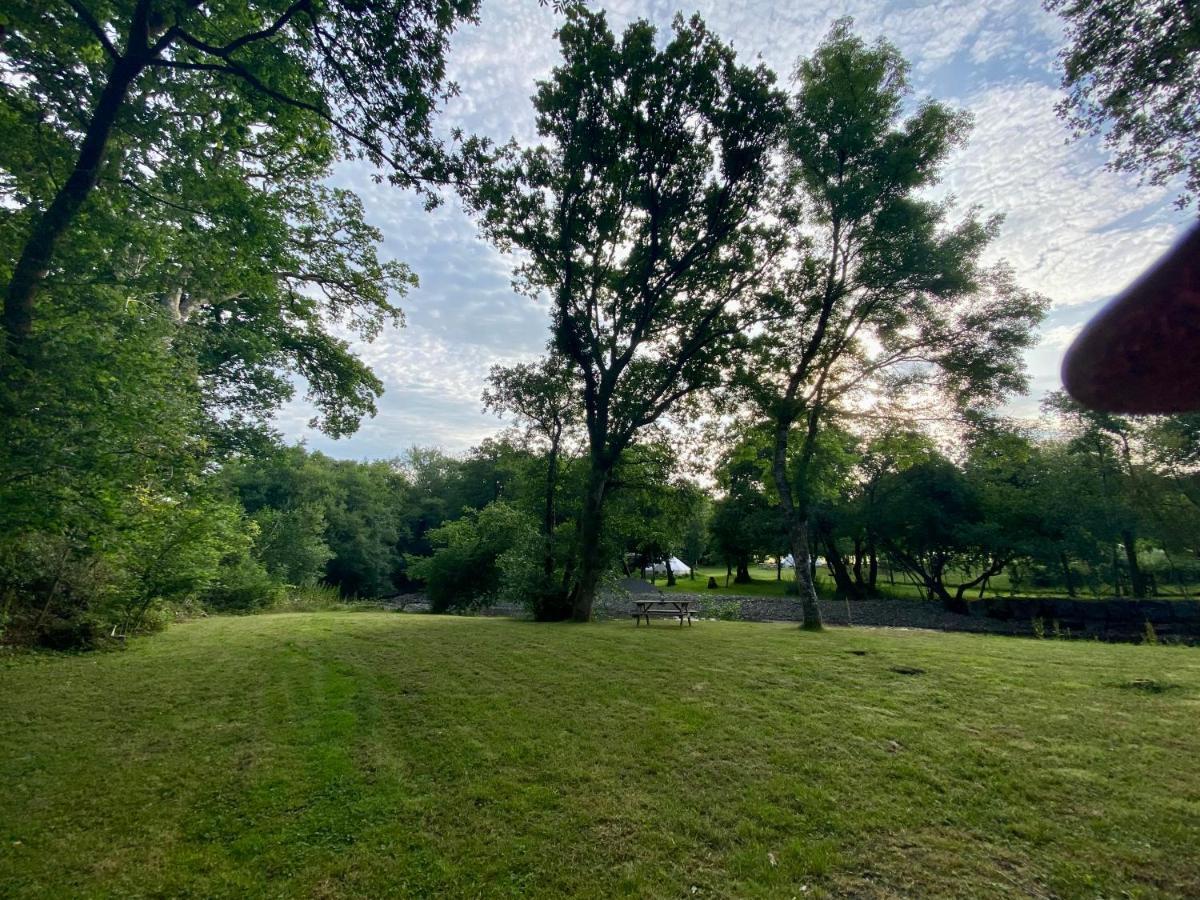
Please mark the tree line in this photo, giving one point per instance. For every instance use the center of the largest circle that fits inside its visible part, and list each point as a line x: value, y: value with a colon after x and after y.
x: 714, y: 245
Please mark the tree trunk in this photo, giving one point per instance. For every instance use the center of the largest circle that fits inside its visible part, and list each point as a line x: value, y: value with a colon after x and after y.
x: 743, y: 571
x: 796, y: 520
x: 550, y: 514
x: 779, y: 567
x: 670, y: 572
x: 837, y: 565
x: 1066, y: 567
x: 936, y: 582
x: 872, y: 565
x: 591, y: 532
x: 858, y: 555
x: 1137, y: 581
x: 33, y: 264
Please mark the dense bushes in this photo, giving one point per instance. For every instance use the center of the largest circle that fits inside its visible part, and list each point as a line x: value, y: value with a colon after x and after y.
x: 465, y: 570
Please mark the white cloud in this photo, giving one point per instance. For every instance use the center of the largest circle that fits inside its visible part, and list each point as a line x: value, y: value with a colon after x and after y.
x: 1074, y: 231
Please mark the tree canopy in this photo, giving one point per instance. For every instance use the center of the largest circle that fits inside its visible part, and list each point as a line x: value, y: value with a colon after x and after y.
x: 639, y: 217
x: 1131, y: 70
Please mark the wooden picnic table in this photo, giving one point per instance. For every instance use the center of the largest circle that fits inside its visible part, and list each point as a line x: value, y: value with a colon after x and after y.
x: 680, y: 609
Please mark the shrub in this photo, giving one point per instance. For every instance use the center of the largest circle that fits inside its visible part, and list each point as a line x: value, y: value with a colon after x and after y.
x: 523, y: 580
x: 309, y: 598
x: 464, y: 572
x: 724, y: 610
x: 242, y: 584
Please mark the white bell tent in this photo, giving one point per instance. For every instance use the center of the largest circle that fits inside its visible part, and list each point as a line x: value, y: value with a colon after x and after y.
x: 678, y: 567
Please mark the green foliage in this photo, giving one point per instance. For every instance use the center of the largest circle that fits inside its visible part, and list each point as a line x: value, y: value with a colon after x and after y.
x: 881, y: 297
x: 523, y: 581
x: 173, y: 265
x: 105, y: 510
x: 746, y: 523
x: 243, y: 585
x: 464, y: 571
x: 638, y: 217
x: 1131, y: 72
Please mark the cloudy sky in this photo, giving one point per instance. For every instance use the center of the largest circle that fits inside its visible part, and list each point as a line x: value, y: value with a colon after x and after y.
x: 1073, y: 231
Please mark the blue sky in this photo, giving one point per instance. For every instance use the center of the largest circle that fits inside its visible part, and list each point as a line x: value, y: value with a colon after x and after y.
x: 1073, y: 231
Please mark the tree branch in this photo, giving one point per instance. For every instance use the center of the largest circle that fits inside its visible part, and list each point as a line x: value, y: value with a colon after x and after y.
x: 94, y: 27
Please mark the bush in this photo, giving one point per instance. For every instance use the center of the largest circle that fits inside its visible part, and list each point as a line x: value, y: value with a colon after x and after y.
x: 242, y: 585
x: 309, y: 598
x: 723, y: 610
x: 464, y: 572
x: 524, y: 583
x: 68, y: 634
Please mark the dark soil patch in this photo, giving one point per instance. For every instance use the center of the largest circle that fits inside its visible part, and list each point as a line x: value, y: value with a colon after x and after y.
x: 1147, y: 686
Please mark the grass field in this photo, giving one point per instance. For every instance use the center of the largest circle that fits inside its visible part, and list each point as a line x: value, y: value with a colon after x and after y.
x: 765, y: 584
x: 378, y: 754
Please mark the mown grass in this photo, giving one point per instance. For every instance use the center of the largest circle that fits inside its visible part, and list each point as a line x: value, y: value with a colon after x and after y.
x: 373, y: 754
x: 765, y: 584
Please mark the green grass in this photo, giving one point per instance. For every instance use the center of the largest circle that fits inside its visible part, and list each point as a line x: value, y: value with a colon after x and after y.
x: 374, y: 754
x: 766, y: 585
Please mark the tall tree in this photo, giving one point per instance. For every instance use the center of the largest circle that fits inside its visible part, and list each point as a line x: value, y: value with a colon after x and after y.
x: 745, y: 524
x: 142, y: 71
x: 881, y: 295
x: 1131, y: 72
x: 1106, y: 441
x: 542, y: 397
x: 638, y: 216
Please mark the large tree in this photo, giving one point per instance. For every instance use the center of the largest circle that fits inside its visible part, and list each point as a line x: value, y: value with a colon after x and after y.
x: 638, y: 217
x: 542, y: 397
x: 1131, y: 72
x: 123, y: 89
x: 745, y: 523
x: 881, y: 294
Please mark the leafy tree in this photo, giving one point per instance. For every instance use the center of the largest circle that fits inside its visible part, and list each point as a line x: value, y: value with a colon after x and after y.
x: 464, y: 570
x: 1106, y: 442
x: 1075, y: 518
x: 649, y: 504
x: 114, y: 421
x: 880, y: 296
x: 117, y: 92
x: 936, y: 521
x: 1131, y: 71
x: 287, y: 493
x: 696, y: 528
x: 924, y: 513
x: 542, y: 397
x: 179, y: 549
x: 882, y: 455
x: 638, y: 217
x: 745, y: 522
x: 654, y: 519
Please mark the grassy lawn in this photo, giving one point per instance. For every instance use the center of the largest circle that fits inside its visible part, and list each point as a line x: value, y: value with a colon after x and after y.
x: 339, y: 754
x: 766, y: 585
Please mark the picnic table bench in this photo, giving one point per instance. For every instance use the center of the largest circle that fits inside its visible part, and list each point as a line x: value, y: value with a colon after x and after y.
x: 661, y: 606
